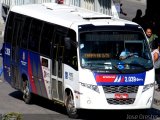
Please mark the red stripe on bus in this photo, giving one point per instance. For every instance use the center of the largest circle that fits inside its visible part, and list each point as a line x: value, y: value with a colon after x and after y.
x: 105, y: 78
x: 30, y: 76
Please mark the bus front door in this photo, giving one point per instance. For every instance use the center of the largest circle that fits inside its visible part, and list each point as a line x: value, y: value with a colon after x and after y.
x: 57, y: 73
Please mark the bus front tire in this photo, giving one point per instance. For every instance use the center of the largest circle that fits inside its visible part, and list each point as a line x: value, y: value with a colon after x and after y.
x: 70, y: 106
x: 27, y: 96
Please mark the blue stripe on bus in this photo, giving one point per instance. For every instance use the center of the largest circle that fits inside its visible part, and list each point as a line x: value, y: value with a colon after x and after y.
x: 120, y: 79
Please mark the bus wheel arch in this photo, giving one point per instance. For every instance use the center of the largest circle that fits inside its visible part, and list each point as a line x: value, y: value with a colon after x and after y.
x: 70, y: 104
x: 27, y: 95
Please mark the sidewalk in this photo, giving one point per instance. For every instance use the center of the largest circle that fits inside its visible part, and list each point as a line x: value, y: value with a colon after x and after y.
x: 144, y: 2
x: 1, y: 26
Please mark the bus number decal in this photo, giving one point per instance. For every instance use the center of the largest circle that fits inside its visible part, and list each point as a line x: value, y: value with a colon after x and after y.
x: 66, y: 75
x: 123, y: 79
x: 7, y: 51
x: 69, y: 75
x: 132, y: 79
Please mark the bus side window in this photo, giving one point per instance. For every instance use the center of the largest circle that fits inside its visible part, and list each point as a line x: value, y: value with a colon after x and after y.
x: 70, y: 55
x: 17, y: 32
x: 34, y: 35
x: 9, y: 28
x: 46, y: 39
x: 44, y: 62
x: 24, y: 38
x: 58, y: 54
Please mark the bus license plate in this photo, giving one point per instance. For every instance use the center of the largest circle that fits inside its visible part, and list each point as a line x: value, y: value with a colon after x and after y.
x: 121, y: 95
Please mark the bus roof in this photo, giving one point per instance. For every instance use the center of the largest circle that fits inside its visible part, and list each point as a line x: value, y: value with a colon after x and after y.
x: 67, y: 15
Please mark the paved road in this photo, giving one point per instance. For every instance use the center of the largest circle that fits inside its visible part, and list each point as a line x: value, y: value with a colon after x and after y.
x: 43, y: 109
x: 130, y: 7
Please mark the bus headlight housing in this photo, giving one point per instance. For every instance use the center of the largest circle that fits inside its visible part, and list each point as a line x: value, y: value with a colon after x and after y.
x: 148, y: 86
x: 92, y: 87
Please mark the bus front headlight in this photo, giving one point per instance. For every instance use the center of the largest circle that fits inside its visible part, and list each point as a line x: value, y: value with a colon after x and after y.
x: 92, y: 87
x: 148, y: 86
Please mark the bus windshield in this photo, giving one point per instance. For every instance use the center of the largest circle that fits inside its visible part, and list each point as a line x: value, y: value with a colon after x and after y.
x: 121, y: 51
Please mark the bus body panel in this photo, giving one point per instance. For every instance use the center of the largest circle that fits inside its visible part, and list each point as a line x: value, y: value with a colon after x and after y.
x: 46, y: 72
x: 88, y: 101
x: 82, y: 59
x: 71, y: 78
x: 7, y: 62
x: 38, y: 73
x: 35, y: 74
x: 108, y: 96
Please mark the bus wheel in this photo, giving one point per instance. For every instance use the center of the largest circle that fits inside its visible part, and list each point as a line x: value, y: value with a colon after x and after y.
x: 70, y: 106
x: 26, y: 92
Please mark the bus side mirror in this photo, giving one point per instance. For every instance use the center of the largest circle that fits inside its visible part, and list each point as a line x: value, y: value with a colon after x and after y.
x: 67, y: 41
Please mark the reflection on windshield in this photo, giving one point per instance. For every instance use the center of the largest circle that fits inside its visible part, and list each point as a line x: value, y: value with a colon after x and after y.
x: 114, y: 49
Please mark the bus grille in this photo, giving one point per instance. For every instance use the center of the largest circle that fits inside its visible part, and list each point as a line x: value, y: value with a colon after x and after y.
x: 111, y: 90
x: 120, y: 101
x: 120, y: 89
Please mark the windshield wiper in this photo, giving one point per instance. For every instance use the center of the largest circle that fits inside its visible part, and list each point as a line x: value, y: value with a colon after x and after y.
x: 120, y: 71
x: 93, y: 65
x: 108, y: 64
x: 116, y: 68
x: 88, y: 65
x: 137, y: 65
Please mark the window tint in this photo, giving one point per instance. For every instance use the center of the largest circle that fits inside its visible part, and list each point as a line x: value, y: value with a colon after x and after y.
x: 58, y: 50
x: 25, y: 32
x: 34, y: 36
x: 9, y: 28
x: 46, y: 39
x: 17, y: 31
x: 70, y: 55
x: 58, y: 54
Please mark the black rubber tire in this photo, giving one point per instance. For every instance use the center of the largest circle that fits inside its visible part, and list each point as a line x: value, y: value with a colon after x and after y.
x: 27, y: 95
x: 70, y: 106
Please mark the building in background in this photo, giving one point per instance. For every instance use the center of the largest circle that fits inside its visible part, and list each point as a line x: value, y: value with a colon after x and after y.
x: 103, y: 6
x: 110, y: 7
x: 5, y: 5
